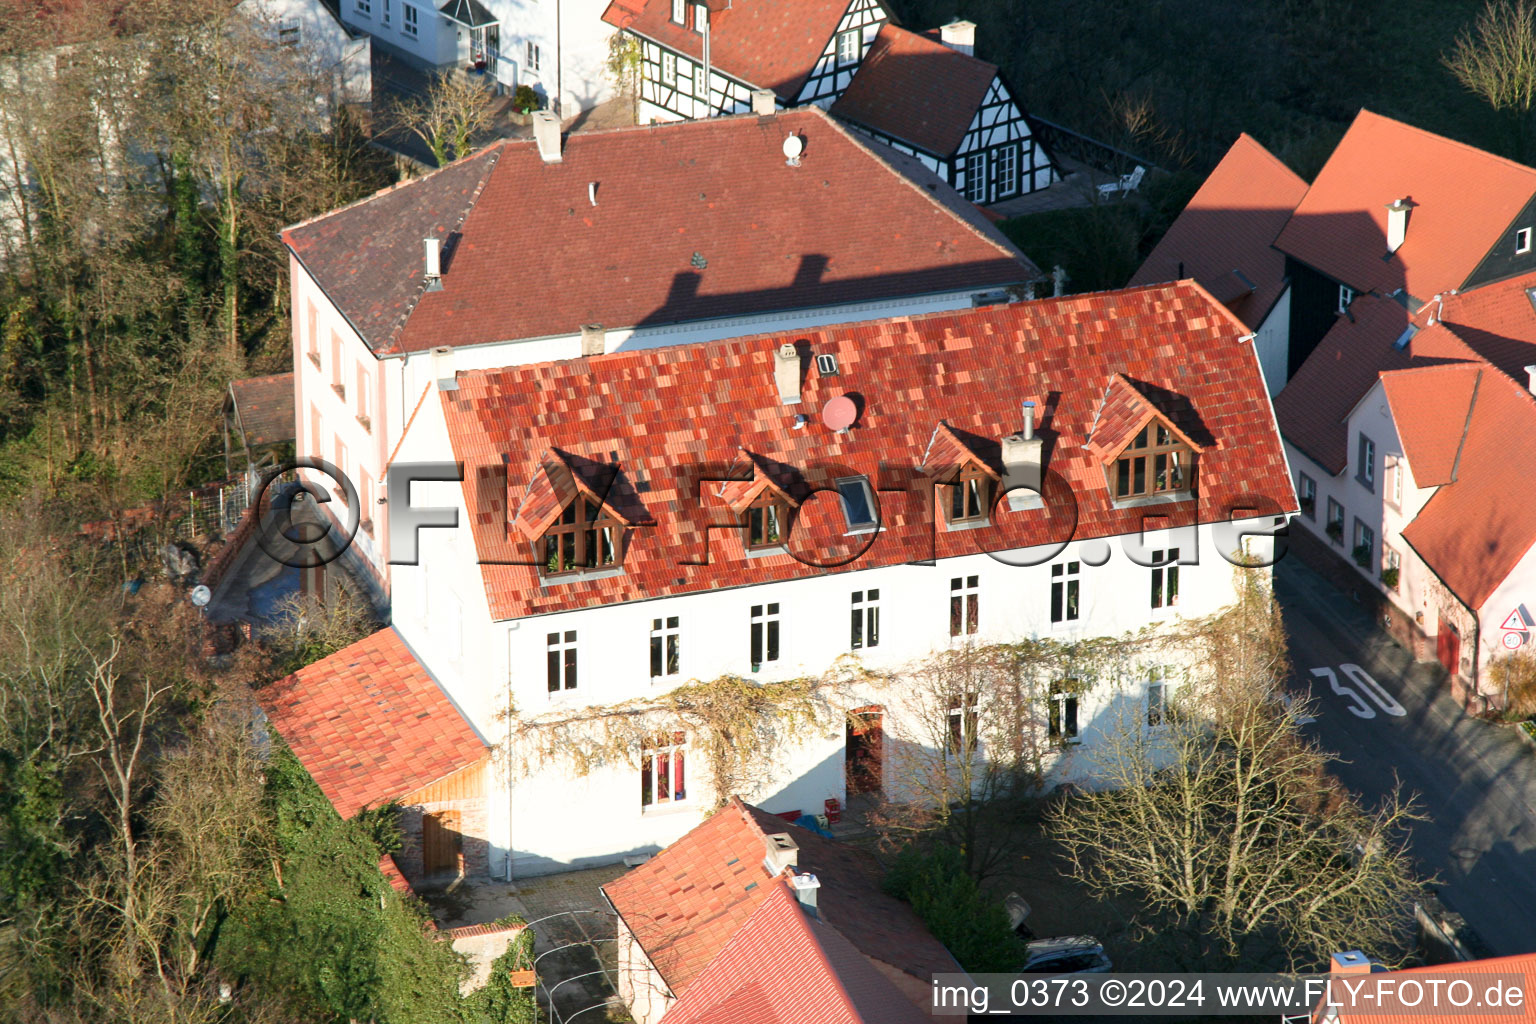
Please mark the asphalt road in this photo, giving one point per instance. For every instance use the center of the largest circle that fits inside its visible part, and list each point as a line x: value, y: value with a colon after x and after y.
x: 1475, y: 780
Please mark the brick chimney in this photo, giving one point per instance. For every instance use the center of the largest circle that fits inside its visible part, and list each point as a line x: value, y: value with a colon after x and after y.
x: 960, y: 36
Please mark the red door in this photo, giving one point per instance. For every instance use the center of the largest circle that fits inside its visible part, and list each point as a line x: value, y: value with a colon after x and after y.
x: 1448, y: 646
x: 865, y: 751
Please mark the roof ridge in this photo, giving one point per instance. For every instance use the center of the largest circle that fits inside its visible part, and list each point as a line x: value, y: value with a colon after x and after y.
x: 936, y: 43
x: 931, y: 197
x: 1466, y: 426
x: 388, y: 189
x: 1367, y: 112
x: 1264, y: 151
x: 389, y: 337
x: 611, y: 359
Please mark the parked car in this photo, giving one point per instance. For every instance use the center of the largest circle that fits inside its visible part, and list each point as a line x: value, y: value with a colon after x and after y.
x: 1066, y: 954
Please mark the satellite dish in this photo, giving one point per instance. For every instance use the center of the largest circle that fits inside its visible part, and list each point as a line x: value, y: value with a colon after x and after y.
x: 793, y: 147
x: 201, y: 595
x: 839, y: 413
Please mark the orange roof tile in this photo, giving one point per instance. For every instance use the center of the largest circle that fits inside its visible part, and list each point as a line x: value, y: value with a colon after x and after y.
x: 1222, y: 239
x: 728, y: 229
x: 1521, y: 964
x: 263, y: 408
x: 949, y: 450
x: 370, y: 724
x: 782, y: 967
x: 1496, y: 459
x: 917, y: 90
x: 1427, y: 404
x: 1498, y: 322
x: 675, y: 419
x: 1463, y: 199
x: 768, y: 44
x: 1314, y: 404
x: 685, y: 904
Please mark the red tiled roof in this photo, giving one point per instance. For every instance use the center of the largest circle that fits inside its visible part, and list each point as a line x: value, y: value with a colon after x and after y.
x: 674, y: 418
x: 782, y: 967
x: 685, y: 904
x: 1521, y: 964
x: 1125, y: 410
x: 370, y: 724
x: 1313, y: 406
x: 693, y: 220
x: 1463, y: 198
x: 916, y: 89
x: 1223, y: 236
x: 768, y: 44
x: 949, y: 451
x: 1497, y: 459
x: 1498, y: 322
x: 264, y: 408
x: 1426, y: 403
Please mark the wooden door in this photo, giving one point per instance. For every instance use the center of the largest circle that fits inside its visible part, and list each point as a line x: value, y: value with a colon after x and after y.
x: 441, y: 842
x: 864, y: 751
x: 1448, y: 647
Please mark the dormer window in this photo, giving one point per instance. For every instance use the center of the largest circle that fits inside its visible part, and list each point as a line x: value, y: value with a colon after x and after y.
x: 968, y: 497
x: 1154, y: 463
x: 587, y: 536
x: 767, y: 522
x: 1522, y: 241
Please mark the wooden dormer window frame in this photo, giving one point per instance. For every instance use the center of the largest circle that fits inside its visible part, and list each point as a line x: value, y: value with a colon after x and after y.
x: 968, y: 498
x: 587, y: 536
x: 765, y: 522
x: 1155, y: 463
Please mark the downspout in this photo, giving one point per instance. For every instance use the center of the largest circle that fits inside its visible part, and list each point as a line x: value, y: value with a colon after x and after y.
x: 709, y: 106
x: 508, y: 758
x: 559, y: 101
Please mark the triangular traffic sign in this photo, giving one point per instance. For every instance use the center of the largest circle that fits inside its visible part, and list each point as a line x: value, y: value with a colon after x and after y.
x: 1515, y: 621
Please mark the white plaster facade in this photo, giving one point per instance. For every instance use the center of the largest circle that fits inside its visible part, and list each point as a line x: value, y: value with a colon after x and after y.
x: 557, y: 47
x: 552, y: 820
x: 384, y: 391
x: 1387, y: 508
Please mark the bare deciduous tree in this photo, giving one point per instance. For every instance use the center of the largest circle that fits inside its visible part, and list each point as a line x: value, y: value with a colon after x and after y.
x: 448, y: 117
x: 1495, y: 59
x: 1224, y: 823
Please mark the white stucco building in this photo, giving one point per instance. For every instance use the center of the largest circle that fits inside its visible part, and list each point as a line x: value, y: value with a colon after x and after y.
x: 559, y: 48
x: 637, y: 521
x: 645, y: 237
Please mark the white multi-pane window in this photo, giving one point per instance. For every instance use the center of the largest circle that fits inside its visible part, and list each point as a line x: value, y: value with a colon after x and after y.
x: 362, y: 7
x: 663, y: 769
x: 1006, y: 159
x: 666, y: 647
x: 864, y: 624
x: 408, y: 19
x: 1061, y: 723
x: 964, y: 605
x: 976, y: 177
x: 531, y: 58
x: 560, y: 660
x: 1066, y: 591
x: 1365, y: 468
x: 680, y: 12
x: 288, y: 33
x: 1165, y: 578
x: 964, y: 717
x: 1346, y: 296
x: 364, y: 397
x: 1157, y: 695
x: 668, y: 68
x: 847, y: 47
x: 764, y: 634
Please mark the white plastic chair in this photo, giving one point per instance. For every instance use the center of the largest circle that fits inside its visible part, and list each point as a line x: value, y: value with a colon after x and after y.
x: 1127, y: 183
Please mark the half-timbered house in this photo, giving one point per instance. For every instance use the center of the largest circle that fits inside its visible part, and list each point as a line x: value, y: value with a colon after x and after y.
x: 928, y: 95
x: 802, y: 51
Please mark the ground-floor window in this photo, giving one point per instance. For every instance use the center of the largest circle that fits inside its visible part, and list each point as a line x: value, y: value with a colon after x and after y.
x: 663, y: 769
x: 1062, y: 717
x: 964, y: 715
x: 1157, y: 695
